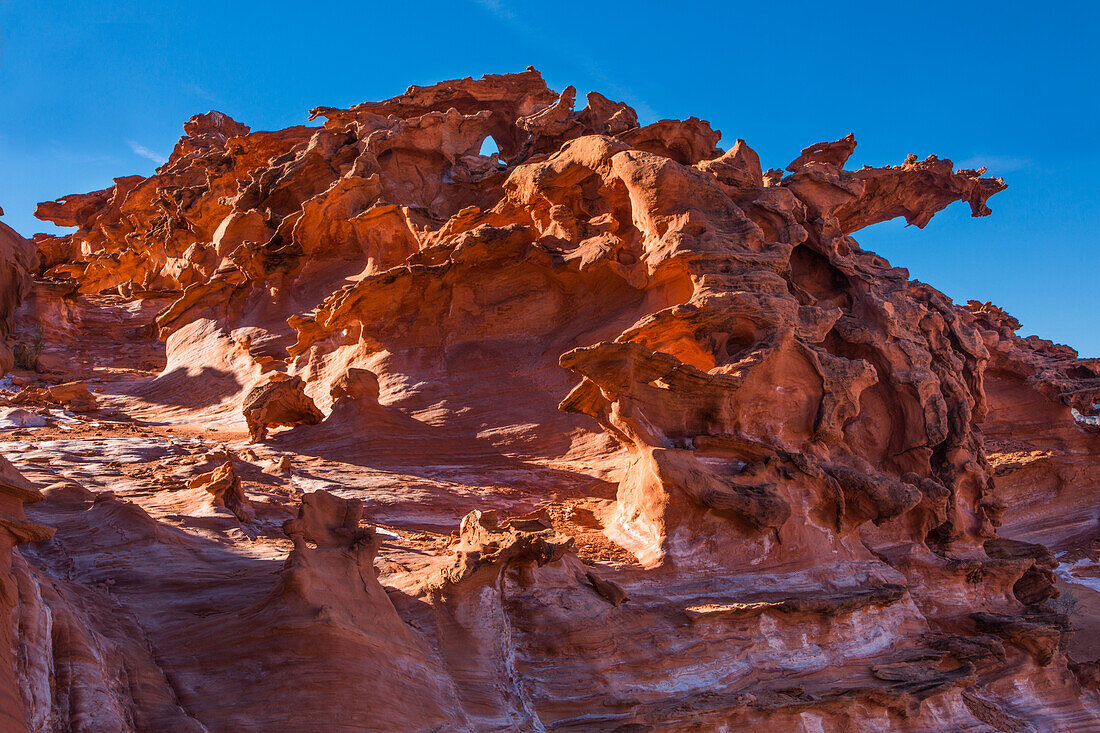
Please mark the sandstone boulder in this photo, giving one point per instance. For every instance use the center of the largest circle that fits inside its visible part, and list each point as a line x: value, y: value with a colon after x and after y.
x: 279, y: 402
x: 356, y: 384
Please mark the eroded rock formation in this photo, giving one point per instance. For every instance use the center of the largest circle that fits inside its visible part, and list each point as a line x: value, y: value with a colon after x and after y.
x: 224, y: 487
x: 711, y: 463
x: 279, y: 402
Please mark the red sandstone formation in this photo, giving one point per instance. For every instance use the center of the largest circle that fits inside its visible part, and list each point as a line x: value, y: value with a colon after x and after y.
x: 279, y: 402
x: 356, y: 384
x: 224, y: 486
x: 712, y: 465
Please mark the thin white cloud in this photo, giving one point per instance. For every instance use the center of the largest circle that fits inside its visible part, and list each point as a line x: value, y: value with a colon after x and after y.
x: 496, y: 8
x: 995, y: 163
x: 147, y: 153
x: 200, y: 91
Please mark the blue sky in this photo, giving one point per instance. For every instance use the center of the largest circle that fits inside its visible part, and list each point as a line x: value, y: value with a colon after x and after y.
x: 92, y: 91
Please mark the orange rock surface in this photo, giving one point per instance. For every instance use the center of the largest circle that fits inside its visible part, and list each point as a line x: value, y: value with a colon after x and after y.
x: 610, y: 431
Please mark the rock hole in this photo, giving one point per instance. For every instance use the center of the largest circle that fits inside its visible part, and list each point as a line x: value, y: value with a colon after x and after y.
x: 489, y: 147
x: 1093, y: 420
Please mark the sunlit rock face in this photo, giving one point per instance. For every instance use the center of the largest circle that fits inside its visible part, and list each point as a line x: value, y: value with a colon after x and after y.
x: 612, y: 430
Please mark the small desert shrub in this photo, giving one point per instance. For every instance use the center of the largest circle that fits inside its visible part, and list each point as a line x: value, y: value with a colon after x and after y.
x: 26, y: 355
x: 1065, y: 603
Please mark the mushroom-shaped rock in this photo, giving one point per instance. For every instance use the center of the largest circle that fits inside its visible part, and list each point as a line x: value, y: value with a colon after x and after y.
x: 329, y: 521
x: 356, y: 384
x: 282, y: 401
x: 224, y: 486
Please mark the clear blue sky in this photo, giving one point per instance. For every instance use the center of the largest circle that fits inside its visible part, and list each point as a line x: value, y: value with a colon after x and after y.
x: 90, y: 91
